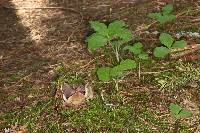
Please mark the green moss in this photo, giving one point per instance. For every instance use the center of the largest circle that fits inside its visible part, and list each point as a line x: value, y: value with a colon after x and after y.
x: 182, y: 74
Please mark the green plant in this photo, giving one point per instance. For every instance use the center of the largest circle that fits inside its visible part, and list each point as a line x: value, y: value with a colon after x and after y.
x: 136, y: 49
x: 164, y: 16
x: 115, y: 34
x: 169, y: 43
x: 182, y: 75
x: 107, y: 73
x: 178, y: 113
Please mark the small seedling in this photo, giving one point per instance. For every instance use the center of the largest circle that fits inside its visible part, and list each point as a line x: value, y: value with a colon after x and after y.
x: 115, y: 34
x: 169, y: 43
x: 137, y: 51
x: 164, y: 16
x: 178, y: 113
x: 107, y: 73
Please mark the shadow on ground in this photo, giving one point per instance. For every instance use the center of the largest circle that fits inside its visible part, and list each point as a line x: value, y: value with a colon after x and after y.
x: 19, y: 58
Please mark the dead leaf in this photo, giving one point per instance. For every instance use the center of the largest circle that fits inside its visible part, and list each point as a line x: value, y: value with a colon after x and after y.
x: 17, y: 129
x: 23, y: 129
x: 67, y: 91
x: 89, y: 94
x: 81, y: 89
x: 76, y: 99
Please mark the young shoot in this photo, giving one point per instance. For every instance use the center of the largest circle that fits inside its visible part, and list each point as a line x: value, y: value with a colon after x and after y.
x: 169, y: 44
x: 115, y: 34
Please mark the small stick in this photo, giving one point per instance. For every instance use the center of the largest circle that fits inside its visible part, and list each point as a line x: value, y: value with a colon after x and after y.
x: 33, y: 8
x: 157, y: 72
x: 181, y: 54
x: 139, y: 71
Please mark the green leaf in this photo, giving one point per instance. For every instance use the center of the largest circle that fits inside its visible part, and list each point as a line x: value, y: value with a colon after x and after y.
x: 96, y: 41
x: 162, y: 18
x: 171, y: 17
x: 179, y: 44
x: 167, y: 9
x: 103, y: 74
x: 125, y: 35
x: 175, y: 109
x: 166, y: 18
x: 101, y: 28
x: 127, y: 47
x: 166, y: 39
x: 184, y: 114
x: 135, y: 49
x: 118, y: 29
x: 128, y: 64
x: 117, y: 24
x: 115, y: 27
x: 116, y: 71
x: 117, y: 43
x: 161, y: 52
x: 179, y: 112
x: 143, y: 56
x: 155, y: 15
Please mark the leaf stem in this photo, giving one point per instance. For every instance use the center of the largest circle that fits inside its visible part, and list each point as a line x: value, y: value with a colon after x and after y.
x: 139, y: 72
x: 117, y: 53
x: 116, y: 84
x: 116, y: 50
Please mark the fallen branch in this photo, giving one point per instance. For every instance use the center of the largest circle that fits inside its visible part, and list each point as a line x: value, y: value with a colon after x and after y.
x: 42, y: 8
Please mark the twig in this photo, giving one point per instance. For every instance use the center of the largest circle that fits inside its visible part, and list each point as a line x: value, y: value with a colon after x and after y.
x: 45, y: 8
x: 139, y: 71
x: 91, y: 61
x: 116, y: 84
x: 145, y: 28
x: 7, y: 41
x: 27, y: 41
x: 196, y: 20
x: 156, y: 72
x: 186, y: 52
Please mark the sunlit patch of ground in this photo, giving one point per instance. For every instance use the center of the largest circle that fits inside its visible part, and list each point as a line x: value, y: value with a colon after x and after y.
x: 32, y: 17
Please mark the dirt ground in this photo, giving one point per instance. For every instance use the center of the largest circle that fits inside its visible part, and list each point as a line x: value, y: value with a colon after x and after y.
x: 35, y: 39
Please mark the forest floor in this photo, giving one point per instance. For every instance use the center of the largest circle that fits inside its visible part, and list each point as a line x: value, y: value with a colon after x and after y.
x: 41, y: 47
